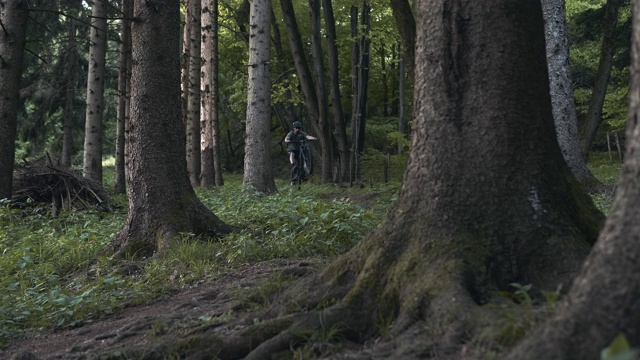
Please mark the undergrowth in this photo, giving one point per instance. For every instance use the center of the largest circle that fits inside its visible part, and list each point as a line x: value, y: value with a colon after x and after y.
x: 57, y: 272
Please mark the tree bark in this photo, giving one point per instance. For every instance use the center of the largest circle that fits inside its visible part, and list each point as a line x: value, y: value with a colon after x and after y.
x: 207, y: 170
x: 162, y: 203
x: 562, y: 103
x: 324, y: 126
x: 487, y: 199
x: 124, y: 88
x: 215, y: 93
x: 339, y: 125
x: 309, y: 89
x: 594, y: 114
x: 70, y: 95
x: 13, y: 16
x: 258, y: 171
x: 92, y: 161
x: 193, y: 94
x: 604, y: 300
x: 406, y: 24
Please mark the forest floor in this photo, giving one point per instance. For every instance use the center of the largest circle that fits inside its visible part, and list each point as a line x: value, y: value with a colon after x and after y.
x: 178, y: 315
x: 217, y: 305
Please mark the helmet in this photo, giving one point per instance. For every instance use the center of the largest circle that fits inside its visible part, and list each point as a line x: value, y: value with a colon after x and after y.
x: 297, y: 124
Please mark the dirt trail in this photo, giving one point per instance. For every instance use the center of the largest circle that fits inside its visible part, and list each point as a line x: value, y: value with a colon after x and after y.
x: 202, y: 308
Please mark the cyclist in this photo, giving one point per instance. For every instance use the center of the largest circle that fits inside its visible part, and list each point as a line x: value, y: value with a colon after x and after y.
x: 293, y: 139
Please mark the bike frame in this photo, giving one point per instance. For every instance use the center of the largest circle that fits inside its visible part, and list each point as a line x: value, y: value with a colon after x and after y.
x: 301, y: 163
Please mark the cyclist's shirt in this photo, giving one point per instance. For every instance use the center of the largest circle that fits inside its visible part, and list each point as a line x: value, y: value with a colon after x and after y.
x: 295, y: 140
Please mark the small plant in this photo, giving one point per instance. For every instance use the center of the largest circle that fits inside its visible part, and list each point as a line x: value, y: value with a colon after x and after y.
x: 619, y: 349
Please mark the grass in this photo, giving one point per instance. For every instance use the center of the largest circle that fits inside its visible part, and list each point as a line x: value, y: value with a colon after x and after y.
x: 607, y: 170
x: 57, y: 272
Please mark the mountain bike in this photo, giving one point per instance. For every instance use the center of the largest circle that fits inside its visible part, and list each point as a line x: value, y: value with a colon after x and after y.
x: 304, y: 164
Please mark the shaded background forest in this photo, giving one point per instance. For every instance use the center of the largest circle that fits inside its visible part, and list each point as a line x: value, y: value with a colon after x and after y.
x: 58, y: 48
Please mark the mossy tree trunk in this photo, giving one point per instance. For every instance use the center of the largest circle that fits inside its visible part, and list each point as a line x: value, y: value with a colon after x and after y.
x: 487, y: 199
x: 162, y: 202
x: 604, y: 301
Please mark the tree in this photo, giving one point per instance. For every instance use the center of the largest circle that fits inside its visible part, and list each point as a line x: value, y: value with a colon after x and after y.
x: 339, y: 125
x: 92, y: 161
x: 406, y: 24
x: 208, y: 98
x: 193, y: 91
x: 315, y: 103
x: 487, y: 199
x: 215, y: 91
x: 124, y: 89
x: 562, y: 102
x: 608, y: 47
x: 70, y: 94
x: 258, y: 172
x: 603, y: 301
x: 13, y: 29
x: 162, y: 203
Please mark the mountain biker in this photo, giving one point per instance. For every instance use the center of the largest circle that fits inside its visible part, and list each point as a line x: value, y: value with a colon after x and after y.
x: 293, y: 139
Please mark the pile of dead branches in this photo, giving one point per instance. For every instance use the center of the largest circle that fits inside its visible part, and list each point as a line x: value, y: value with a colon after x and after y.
x: 63, y: 188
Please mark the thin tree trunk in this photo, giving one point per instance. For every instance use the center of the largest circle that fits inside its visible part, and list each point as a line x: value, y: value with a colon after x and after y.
x: 324, y: 125
x: 207, y: 172
x: 406, y: 24
x: 562, y: 102
x: 193, y: 97
x: 594, y: 114
x: 285, y: 111
x: 70, y: 94
x: 92, y: 162
x: 124, y: 88
x: 215, y: 94
x: 339, y: 125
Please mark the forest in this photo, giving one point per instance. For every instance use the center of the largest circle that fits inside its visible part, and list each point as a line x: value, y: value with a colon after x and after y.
x: 471, y: 195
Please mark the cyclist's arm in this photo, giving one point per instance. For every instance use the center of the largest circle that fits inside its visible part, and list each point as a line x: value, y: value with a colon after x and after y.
x: 309, y: 137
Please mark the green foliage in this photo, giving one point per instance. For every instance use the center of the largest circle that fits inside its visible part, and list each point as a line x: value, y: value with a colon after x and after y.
x: 503, y: 322
x: 619, y: 349
x: 57, y: 271
x: 288, y: 224
x: 607, y: 170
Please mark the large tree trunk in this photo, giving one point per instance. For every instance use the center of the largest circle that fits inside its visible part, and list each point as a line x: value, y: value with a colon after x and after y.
x: 13, y: 16
x: 608, y: 47
x: 92, y: 161
x: 487, y: 199
x: 162, y: 203
x: 604, y: 301
x: 124, y: 88
x: 258, y: 171
x: 563, y: 105
x: 339, y: 125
